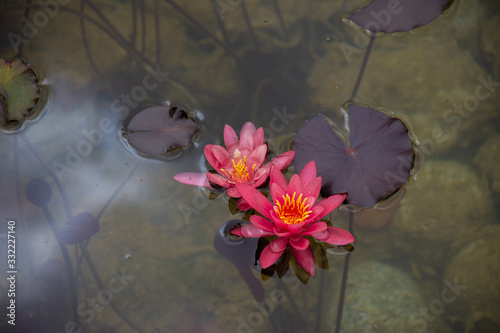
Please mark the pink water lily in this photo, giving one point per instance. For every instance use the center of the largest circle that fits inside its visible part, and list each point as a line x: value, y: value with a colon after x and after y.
x: 295, y: 214
x: 241, y: 162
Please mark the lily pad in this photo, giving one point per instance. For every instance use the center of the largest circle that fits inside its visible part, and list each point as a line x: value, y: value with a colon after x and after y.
x: 79, y: 228
x: 374, y: 163
x: 398, y: 16
x: 19, y: 93
x: 241, y: 252
x: 158, y: 130
x: 38, y: 192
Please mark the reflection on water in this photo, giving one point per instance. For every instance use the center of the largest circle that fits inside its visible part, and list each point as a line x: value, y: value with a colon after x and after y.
x: 152, y: 266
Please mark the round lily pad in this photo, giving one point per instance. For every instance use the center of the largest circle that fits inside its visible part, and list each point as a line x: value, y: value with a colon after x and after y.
x: 159, y: 130
x: 19, y: 93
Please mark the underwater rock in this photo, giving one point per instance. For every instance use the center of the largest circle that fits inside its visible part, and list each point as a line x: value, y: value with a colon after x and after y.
x: 474, y: 271
x: 488, y: 159
x: 379, y: 298
x: 444, y: 206
x: 425, y: 77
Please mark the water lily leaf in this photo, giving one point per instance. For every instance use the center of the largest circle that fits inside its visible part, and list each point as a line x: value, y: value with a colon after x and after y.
x: 158, y: 130
x: 38, y: 192
x: 375, y: 163
x: 398, y: 16
x: 19, y: 93
x: 241, y: 252
x: 79, y: 228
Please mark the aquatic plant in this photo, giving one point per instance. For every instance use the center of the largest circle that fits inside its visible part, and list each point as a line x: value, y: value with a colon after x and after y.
x: 158, y: 130
x: 241, y: 162
x: 295, y: 214
x: 19, y: 94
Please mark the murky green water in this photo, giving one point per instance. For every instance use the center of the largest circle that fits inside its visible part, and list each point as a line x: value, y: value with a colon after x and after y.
x: 432, y: 268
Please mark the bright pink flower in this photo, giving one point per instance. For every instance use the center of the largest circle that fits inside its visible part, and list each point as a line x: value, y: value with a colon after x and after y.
x: 295, y: 213
x: 242, y: 162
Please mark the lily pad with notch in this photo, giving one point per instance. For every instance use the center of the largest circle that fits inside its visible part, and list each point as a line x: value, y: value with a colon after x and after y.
x: 375, y: 161
x: 159, y: 130
x: 391, y: 16
x: 19, y: 94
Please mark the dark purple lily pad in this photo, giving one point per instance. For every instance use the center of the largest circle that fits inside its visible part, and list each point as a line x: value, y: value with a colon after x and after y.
x: 398, y: 16
x: 241, y: 252
x: 38, y: 192
x: 79, y: 228
x: 376, y: 164
x: 158, y: 130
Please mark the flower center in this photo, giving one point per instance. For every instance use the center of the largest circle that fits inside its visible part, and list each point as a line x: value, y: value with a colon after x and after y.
x: 292, y: 211
x: 240, y: 173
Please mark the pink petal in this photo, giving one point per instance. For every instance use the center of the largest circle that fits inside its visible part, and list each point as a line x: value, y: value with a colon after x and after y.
x: 281, y: 233
x: 278, y: 178
x: 312, y: 188
x: 248, y: 230
x: 255, y: 199
x: 259, y: 154
x: 299, y: 243
x: 211, y: 158
x: 243, y: 205
x: 276, y: 192
x: 331, y: 203
x: 314, y: 228
x: 258, y: 137
x: 260, y: 177
x: 221, y: 154
x: 192, y: 178
x: 282, y: 160
x: 273, y: 251
x: 262, y: 223
x: 246, y: 136
x: 305, y: 259
x: 334, y: 236
x: 317, y: 211
x: 230, y: 136
x: 233, y: 192
x: 294, y: 186
x: 308, y: 173
x: 217, y: 179
x: 296, y: 228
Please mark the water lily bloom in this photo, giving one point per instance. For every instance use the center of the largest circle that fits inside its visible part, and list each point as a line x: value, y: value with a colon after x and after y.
x: 294, y: 213
x: 241, y: 162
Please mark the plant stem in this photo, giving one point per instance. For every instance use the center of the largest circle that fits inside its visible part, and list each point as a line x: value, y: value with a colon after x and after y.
x: 363, y: 66
x: 343, y: 287
x: 67, y: 261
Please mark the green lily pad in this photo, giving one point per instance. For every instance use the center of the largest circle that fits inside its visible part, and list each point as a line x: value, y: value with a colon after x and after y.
x: 19, y: 93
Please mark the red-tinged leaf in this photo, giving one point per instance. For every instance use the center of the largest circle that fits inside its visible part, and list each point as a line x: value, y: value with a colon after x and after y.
x: 398, y: 16
x: 158, y: 130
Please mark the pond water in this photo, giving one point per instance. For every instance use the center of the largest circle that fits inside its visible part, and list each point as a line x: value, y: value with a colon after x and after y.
x: 426, y: 264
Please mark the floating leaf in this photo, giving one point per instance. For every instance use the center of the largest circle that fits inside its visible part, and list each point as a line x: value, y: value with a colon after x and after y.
x: 79, y: 228
x: 158, y: 130
x: 377, y: 162
x: 241, y: 252
x: 19, y: 93
x: 38, y: 192
x: 398, y: 16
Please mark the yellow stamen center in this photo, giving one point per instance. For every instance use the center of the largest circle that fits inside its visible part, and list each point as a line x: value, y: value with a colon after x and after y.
x: 240, y: 173
x: 292, y: 211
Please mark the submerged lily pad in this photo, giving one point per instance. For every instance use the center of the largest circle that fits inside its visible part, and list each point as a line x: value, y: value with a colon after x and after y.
x: 398, y: 16
x: 376, y: 163
x: 19, y: 93
x: 79, y: 228
x: 158, y: 130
